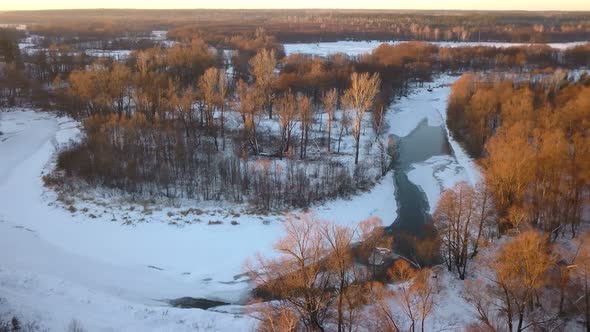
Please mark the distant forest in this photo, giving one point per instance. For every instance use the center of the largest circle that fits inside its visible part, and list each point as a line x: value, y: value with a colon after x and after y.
x: 215, y: 26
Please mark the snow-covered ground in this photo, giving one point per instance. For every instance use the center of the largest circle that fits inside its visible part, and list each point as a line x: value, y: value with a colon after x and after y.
x: 112, y: 269
x: 355, y: 48
x: 109, y: 263
x: 57, y: 265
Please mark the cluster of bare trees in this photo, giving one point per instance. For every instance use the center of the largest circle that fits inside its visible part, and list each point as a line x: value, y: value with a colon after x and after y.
x: 529, y: 283
x: 16, y: 84
x: 322, y: 280
x: 201, y: 137
x: 464, y: 218
x: 513, y: 293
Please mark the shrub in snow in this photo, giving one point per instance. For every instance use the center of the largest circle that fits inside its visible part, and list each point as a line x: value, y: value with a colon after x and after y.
x: 75, y: 326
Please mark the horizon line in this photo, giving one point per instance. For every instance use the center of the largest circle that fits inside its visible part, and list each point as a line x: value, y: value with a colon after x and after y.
x: 309, y: 8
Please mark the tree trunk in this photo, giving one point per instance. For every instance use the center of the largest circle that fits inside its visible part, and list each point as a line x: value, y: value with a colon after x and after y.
x: 356, y: 152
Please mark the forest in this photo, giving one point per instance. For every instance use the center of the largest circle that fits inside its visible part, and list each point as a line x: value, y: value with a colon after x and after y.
x: 191, y: 122
x: 222, y: 114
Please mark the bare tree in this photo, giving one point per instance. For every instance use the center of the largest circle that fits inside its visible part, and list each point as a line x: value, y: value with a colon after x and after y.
x: 579, y: 272
x: 208, y: 86
x: 276, y: 319
x: 287, y: 111
x: 329, y: 100
x: 262, y: 67
x: 297, y: 277
x: 305, y: 120
x: 358, y: 98
x: 461, y: 217
x: 384, y: 148
x: 516, y: 277
x: 416, y: 294
x: 339, y: 240
x: 249, y: 108
x: 383, y: 316
x: 344, y: 123
x: 182, y: 107
x: 222, y: 92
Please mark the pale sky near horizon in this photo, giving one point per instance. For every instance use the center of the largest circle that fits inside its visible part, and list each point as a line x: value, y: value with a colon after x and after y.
x: 532, y: 5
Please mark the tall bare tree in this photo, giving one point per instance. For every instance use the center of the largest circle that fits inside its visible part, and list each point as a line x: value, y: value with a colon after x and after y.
x: 222, y: 93
x: 359, y: 98
x: 305, y: 120
x: 297, y: 277
x: 209, y: 87
x: 287, y: 112
x: 329, y: 100
x: 262, y: 67
x: 250, y: 101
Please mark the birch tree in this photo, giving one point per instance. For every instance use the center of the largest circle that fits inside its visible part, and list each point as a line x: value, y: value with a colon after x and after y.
x: 359, y: 98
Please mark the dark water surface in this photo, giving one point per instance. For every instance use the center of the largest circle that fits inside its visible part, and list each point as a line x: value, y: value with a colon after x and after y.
x: 424, y: 142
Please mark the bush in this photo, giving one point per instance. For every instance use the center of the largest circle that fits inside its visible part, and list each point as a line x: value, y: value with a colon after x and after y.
x: 75, y: 326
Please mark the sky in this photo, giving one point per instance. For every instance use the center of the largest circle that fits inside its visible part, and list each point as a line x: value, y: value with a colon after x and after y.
x: 256, y: 4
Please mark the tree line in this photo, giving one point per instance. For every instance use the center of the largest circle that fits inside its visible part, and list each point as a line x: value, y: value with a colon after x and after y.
x: 311, y: 25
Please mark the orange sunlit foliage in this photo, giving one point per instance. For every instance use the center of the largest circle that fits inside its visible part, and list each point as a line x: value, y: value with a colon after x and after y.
x: 533, y: 137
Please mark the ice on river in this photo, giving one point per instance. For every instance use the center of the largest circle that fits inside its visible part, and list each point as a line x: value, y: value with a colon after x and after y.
x: 438, y: 172
x: 435, y: 175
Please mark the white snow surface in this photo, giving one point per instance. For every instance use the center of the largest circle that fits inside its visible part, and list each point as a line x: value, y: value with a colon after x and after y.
x: 56, y: 265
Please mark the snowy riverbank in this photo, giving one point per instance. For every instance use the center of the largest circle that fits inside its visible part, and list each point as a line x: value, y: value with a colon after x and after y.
x: 109, y: 275
x: 58, y: 265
